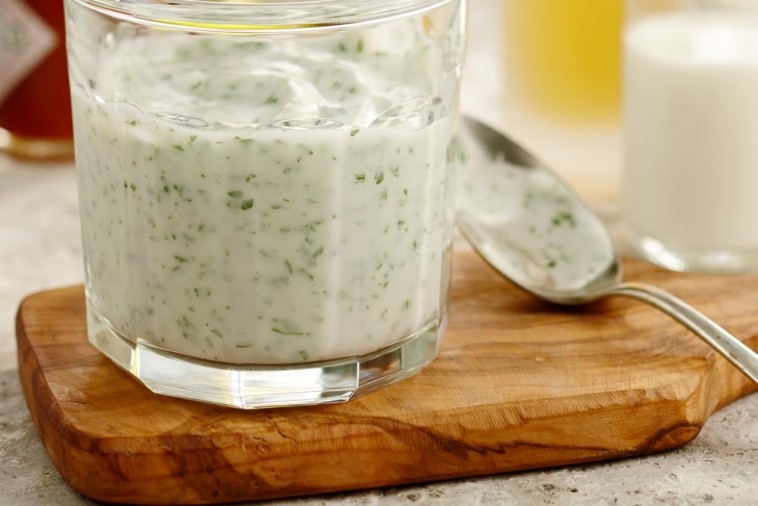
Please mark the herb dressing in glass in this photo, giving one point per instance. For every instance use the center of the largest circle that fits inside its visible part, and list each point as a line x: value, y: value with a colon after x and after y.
x: 270, y: 203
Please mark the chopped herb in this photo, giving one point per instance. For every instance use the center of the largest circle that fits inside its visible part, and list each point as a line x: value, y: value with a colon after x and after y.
x: 379, y: 177
x: 564, y: 217
x: 179, y: 259
x: 246, y: 204
x: 359, y: 178
x: 178, y: 147
x: 354, y: 132
x: 304, y: 354
x: 234, y: 194
x: 286, y: 333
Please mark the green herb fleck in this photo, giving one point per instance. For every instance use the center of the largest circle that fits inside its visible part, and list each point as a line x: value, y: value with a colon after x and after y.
x: 359, y: 178
x: 564, y: 217
x: 181, y: 260
x: 354, y: 132
x: 304, y: 354
x: 286, y: 332
x: 246, y: 204
x: 178, y: 147
x: 185, y: 323
x: 234, y: 194
x: 379, y: 177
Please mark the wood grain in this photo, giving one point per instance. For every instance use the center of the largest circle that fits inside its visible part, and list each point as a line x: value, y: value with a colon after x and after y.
x: 519, y: 384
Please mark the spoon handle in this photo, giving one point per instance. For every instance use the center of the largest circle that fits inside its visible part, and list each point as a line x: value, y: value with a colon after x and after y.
x: 745, y: 359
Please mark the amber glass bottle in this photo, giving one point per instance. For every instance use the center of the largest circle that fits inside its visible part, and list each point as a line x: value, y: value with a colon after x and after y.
x: 35, y: 112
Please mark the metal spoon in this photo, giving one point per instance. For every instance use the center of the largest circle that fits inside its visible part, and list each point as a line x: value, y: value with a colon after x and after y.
x: 530, y: 226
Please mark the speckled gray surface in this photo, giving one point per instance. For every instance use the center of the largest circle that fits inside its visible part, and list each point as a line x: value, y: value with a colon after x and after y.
x: 39, y: 249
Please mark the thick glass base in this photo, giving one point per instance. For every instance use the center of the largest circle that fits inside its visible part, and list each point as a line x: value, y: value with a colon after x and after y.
x: 707, y: 260
x: 265, y: 386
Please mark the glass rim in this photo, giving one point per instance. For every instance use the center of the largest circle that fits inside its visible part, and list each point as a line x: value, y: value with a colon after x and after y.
x: 260, y: 16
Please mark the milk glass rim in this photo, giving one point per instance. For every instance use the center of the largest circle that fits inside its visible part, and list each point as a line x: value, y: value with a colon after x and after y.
x: 261, y: 16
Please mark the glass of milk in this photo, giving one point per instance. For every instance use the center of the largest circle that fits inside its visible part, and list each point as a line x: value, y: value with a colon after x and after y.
x: 690, y: 187
x: 265, y: 191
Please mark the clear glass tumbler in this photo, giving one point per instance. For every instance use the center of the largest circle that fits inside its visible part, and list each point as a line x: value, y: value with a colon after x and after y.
x: 265, y: 191
x: 691, y: 106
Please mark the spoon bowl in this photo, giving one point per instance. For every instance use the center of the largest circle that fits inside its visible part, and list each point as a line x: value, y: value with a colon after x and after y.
x: 537, y: 232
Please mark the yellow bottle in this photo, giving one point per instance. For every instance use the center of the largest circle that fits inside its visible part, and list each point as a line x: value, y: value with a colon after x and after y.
x: 563, y: 57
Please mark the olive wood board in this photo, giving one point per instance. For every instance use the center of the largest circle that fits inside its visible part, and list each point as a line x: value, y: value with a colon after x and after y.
x: 519, y: 384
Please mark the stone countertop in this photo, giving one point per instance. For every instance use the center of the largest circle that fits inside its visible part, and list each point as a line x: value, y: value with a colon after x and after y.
x: 40, y: 249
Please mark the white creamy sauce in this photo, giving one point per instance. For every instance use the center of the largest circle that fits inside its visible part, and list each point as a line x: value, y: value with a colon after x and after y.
x: 528, y: 224
x: 691, y: 167
x: 223, y: 221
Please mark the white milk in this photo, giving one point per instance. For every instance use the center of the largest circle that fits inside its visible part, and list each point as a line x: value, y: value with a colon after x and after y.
x: 250, y: 232
x: 691, y: 105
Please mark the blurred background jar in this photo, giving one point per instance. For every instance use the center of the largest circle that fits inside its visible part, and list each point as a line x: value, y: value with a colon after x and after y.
x: 563, y: 76
x: 35, y: 105
x: 690, y: 180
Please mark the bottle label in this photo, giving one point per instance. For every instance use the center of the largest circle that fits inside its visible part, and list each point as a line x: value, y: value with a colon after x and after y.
x: 25, y: 40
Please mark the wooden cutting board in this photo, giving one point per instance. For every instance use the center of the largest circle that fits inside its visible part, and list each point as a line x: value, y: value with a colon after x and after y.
x: 519, y: 384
